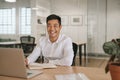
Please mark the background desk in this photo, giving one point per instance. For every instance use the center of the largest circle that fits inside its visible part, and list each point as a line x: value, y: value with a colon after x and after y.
x: 49, y: 74
x: 82, y: 49
x: 14, y: 44
x: 10, y: 44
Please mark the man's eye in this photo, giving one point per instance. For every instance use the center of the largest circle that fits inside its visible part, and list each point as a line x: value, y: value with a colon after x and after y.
x: 56, y: 25
x: 48, y: 25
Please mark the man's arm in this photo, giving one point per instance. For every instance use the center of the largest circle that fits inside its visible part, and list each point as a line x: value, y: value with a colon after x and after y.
x: 34, y: 55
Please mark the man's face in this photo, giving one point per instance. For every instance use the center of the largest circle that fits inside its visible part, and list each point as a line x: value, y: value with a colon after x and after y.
x: 53, y: 28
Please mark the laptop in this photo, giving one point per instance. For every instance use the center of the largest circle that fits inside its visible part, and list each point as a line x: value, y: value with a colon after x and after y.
x: 12, y: 63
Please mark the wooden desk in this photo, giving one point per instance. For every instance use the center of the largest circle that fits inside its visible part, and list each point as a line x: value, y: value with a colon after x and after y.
x: 9, y: 44
x: 49, y: 74
x: 82, y: 45
x: 80, y: 53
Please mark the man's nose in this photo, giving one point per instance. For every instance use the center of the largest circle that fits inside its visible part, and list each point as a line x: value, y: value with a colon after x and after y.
x: 52, y: 28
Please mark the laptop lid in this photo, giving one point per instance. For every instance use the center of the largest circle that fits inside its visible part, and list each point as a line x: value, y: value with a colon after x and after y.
x: 12, y: 63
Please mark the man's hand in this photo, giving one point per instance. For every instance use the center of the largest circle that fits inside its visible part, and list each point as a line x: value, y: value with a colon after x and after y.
x: 26, y: 62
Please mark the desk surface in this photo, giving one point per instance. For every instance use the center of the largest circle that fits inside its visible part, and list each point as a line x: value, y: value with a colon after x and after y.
x: 49, y: 74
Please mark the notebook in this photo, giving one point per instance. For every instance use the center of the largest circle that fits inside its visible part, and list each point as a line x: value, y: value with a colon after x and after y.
x: 12, y: 63
x: 41, y: 66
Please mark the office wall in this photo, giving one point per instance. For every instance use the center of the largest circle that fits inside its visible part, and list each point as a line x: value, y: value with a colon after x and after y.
x: 103, y: 23
x: 40, y: 10
x: 68, y: 9
x: 113, y: 19
x: 101, y: 19
x: 96, y: 25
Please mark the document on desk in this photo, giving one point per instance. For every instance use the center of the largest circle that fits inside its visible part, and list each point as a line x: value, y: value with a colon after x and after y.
x: 79, y: 76
x: 41, y: 66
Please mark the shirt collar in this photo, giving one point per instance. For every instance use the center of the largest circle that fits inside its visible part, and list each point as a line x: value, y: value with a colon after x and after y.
x: 57, y: 39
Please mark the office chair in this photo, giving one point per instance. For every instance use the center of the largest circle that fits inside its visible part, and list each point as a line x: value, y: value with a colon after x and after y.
x: 27, y: 44
x: 75, y: 47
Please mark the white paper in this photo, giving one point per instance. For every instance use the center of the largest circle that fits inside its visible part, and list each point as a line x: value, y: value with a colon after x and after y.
x: 79, y: 76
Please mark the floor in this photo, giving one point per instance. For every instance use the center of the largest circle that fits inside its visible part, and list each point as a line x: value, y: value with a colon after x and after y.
x: 93, y: 62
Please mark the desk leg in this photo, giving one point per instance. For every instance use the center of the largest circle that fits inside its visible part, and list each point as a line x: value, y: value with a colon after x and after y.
x: 80, y: 54
x: 84, y: 54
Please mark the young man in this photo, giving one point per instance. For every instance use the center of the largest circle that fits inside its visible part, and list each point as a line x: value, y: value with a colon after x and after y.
x: 56, y: 48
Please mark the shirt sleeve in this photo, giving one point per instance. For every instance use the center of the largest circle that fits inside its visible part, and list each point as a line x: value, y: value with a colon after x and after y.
x: 35, y: 54
x: 67, y: 54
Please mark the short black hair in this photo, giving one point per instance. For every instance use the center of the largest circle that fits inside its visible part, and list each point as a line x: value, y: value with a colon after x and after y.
x: 53, y: 17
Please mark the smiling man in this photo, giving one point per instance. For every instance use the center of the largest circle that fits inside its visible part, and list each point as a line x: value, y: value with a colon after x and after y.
x: 56, y: 48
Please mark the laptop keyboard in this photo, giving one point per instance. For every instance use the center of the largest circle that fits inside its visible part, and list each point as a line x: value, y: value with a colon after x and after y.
x: 29, y: 72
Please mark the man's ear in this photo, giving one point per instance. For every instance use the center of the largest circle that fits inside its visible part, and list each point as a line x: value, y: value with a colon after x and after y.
x: 60, y: 26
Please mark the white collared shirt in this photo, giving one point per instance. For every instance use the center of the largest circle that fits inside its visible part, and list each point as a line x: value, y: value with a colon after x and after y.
x: 58, y: 53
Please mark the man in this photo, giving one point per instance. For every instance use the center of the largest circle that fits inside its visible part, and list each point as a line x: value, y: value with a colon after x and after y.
x: 56, y: 48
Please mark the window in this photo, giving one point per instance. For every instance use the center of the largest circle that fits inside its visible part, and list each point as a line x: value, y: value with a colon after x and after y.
x: 25, y: 21
x: 7, y: 21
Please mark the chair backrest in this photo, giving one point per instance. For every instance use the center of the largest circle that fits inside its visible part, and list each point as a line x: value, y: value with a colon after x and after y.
x: 75, y: 48
x: 27, y: 43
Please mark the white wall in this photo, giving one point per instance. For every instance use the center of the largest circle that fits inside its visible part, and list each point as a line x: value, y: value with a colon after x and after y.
x: 42, y: 11
x: 96, y: 25
x: 103, y: 23
x: 69, y: 8
x: 113, y: 19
